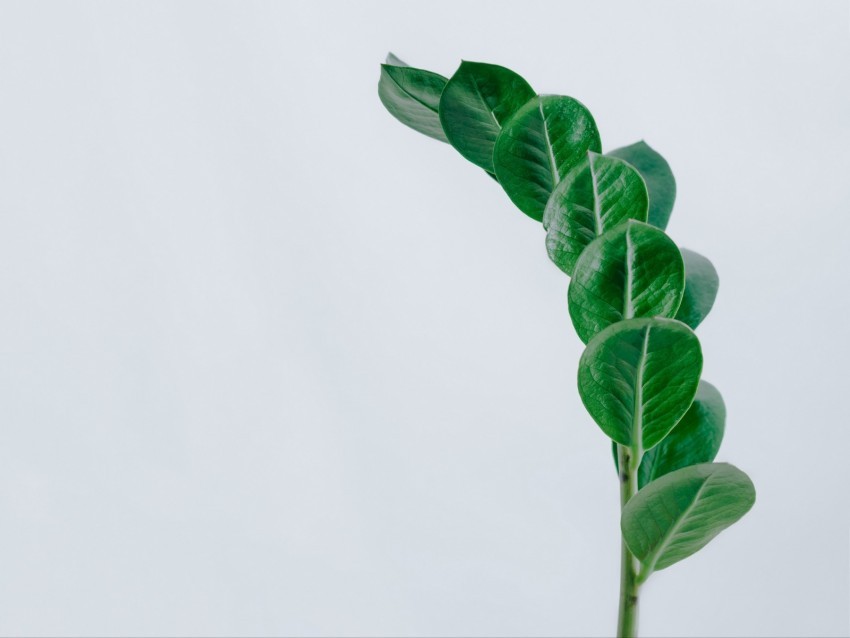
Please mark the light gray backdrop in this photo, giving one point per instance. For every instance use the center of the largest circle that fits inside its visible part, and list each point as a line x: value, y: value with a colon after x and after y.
x: 271, y: 363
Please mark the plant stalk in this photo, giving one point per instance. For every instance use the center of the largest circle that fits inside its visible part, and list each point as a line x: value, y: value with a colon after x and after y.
x: 628, y: 618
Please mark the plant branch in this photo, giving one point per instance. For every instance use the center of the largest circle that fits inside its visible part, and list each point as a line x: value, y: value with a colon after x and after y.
x: 629, y: 565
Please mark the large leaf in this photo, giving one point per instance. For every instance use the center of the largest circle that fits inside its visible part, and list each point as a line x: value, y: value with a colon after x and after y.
x: 678, y: 514
x: 701, y: 283
x: 478, y: 99
x: 539, y: 145
x: 412, y: 96
x: 695, y: 439
x: 658, y: 176
x: 633, y: 270
x: 597, y: 195
x: 638, y: 377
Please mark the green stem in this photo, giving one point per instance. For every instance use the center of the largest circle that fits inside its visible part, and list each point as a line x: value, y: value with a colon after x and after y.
x: 629, y: 565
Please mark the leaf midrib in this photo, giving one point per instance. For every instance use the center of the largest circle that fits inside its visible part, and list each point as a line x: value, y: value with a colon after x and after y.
x: 410, y: 95
x: 553, y: 167
x: 668, y: 537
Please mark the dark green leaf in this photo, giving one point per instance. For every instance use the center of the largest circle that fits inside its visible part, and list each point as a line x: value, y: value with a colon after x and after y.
x: 695, y: 439
x: 658, y: 177
x: 678, y: 514
x: 633, y: 270
x: 638, y: 377
x: 476, y: 102
x: 701, y: 283
x: 539, y: 145
x: 413, y: 98
x: 597, y: 195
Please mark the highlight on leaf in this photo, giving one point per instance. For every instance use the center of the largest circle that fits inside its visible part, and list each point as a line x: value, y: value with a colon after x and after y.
x: 632, y: 270
x: 597, y: 195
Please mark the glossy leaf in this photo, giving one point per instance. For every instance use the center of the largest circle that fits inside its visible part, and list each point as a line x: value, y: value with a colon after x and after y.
x: 701, y: 284
x: 412, y: 96
x: 678, y: 514
x: 695, y: 439
x: 596, y: 196
x: 638, y: 377
x: 478, y: 99
x: 633, y: 270
x: 658, y: 177
x: 539, y: 146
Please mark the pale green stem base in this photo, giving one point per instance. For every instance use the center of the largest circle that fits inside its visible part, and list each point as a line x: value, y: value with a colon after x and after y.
x: 629, y: 565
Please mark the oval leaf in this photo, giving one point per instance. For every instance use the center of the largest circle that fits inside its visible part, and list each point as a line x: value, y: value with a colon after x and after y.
x: 539, y: 145
x: 701, y: 284
x: 596, y: 196
x: 412, y: 96
x: 678, y: 514
x: 638, y: 377
x: 658, y: 177
x: 478, y: 99
x: 633, y: 270
x: 695, y: 439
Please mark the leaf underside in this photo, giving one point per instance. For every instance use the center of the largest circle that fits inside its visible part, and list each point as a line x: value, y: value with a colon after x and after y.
x: 658, y: 177
x: 695, y: 439
x: 701, y: 284
x: 412, y: 96
x: 478, y: 99
x: 678, y: 514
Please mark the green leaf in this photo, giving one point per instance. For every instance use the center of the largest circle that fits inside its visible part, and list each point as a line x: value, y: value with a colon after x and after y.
x: 701, y: 283
x: 633, y: 270
x: 597, y: 195
x: 394, y: 60
x: 658, y: 177
x: 412, y: 96
x: 678, y: 514
x: 476, y: 102
x: 695, y: 439
x: 638, y: 377
x: 539, y: 146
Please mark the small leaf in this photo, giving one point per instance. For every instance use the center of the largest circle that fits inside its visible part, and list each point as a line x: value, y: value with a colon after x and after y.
x: 596, y: 196
x: 678, y: 514
x: 539, y: 145
x: 658, y: 177
x: 412, y: 96
x: 478, y: 99
x: 638, y: 377
x: 633, y: 270
x: 695, y: 439
x: 394, y: 60
x: 701, y: 283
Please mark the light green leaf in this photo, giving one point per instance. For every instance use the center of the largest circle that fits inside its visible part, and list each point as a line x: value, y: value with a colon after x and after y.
x: 412, y: 96
x: 695, y: 439
x: 539, y: 146
x: 638, y: 377
x: 633, y: 270
x: 597, y: 195
x: 478, y: 99
x: 658, y: 177
x: 678, y: 514
x: 701, y: 283
x: 394, y: 60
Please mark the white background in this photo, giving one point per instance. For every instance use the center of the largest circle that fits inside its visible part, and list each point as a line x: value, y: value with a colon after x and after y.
x: 272, y: 363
